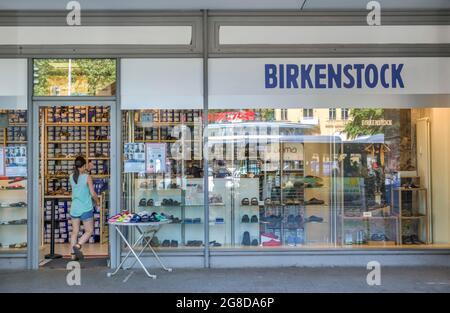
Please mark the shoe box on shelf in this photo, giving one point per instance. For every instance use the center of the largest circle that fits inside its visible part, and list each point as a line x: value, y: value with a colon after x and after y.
x: 66, y: 114
x: 160, y: 127
x: 17, y: 134
x: 63, y: 223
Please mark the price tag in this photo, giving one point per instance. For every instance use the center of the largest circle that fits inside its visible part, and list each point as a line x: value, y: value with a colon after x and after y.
x: 367, y: 214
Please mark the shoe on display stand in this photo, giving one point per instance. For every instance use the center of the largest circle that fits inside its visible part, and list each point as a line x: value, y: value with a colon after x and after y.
x: 314, y: 201
x: 246, y: 239
x: 314, y: 219
x: 245, y: 219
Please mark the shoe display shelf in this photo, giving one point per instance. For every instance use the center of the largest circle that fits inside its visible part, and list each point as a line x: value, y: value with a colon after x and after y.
x: 282, y: 211
x: 152, y: 194
x: 409, y: 204
x: 359, y: 224
x: 180, y: 127
x: 170, y: 127
x: 245, y: 212
x: 317, y: 214
x: 13, y: 208
x: 184, y: 200
x: 13, y: 216
x: 164, y: 125
x: 68, y: 132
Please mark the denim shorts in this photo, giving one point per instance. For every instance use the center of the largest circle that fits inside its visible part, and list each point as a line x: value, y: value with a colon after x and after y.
x: 85, y: 216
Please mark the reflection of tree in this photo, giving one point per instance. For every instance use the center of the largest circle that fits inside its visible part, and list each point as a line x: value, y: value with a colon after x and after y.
x: 267, y: 114
x: 260, y: 114
x: 355, y: 128
x: 99, y: 73
x: 43, y: 70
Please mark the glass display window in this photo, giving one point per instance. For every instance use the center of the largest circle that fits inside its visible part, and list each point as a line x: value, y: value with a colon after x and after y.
x: 13, y: 181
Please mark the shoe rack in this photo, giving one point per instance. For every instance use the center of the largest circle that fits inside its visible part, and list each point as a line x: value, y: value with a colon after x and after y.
x: 68, y: 132
x: 13, y: 190
x: 362, y: 223
x: 163, y: 126
x: 283, y: 196
x: 409, y: 204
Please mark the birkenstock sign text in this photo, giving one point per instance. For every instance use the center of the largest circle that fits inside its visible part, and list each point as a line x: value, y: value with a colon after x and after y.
x: 333, y: 76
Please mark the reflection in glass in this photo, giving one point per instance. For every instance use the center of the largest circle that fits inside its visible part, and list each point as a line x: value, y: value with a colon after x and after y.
x: 74, y: 77
x: 13, y: 180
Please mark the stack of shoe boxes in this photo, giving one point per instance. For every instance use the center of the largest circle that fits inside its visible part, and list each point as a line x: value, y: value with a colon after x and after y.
x: 151, y: 133
x: 99, y: 133
x: 98, y: 114
x: 192, y: 116
x: 64, y: 150
x: 100, y: 167
x: 56, y: 185
x: 63, y: 225
x: 99, y: 150
x: 17, y: 133
x: 18, y: 116
x: 66, y: 114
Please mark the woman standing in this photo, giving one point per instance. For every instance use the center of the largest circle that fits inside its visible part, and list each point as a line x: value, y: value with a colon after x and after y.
x: 82, y: 209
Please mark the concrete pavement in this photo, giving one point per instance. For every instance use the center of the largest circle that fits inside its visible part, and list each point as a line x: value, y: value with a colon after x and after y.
x: 330, y: 279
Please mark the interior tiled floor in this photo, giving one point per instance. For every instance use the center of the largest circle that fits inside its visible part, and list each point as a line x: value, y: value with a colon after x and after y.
x: 90, y: 249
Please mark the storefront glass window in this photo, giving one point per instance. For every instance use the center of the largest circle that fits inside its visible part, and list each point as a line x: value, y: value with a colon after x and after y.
x: 13, y: 180
x: 74, y: 77
x: 358, y: 180
x: 163, y: 173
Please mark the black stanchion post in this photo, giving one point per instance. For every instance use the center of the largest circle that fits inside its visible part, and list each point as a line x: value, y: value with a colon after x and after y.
x: 52, y: 254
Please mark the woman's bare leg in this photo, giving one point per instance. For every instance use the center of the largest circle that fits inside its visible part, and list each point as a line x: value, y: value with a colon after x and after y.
x: 75, y: 231
x: 88, y: 231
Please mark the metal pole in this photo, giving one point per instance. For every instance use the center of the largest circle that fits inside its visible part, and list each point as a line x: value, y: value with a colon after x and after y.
x: 33, y: 223
x: 116, y: 166
x: 205, y: 138
x: 69, y: 78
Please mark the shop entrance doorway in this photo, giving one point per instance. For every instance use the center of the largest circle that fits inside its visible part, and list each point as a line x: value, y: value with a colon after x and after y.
x: 66, y: 131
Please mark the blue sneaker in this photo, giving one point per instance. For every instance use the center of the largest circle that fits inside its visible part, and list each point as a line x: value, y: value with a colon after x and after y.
x: 291, y: 241
x: 136, y: 218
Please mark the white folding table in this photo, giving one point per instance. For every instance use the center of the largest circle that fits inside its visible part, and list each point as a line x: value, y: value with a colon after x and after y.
x: 146, y: 232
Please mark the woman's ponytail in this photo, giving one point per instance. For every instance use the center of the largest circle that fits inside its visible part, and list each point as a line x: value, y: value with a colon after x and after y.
x: 79, y: 163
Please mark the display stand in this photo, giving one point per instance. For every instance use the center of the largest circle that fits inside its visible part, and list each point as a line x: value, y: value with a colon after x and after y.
x: 145, y: 236
x: 419, y: 214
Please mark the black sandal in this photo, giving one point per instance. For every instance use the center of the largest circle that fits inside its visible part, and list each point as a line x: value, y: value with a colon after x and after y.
x: 74, y: 257
x: 77, y: 251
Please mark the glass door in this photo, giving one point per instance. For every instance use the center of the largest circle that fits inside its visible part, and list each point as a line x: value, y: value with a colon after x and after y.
x: 67, y: 131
